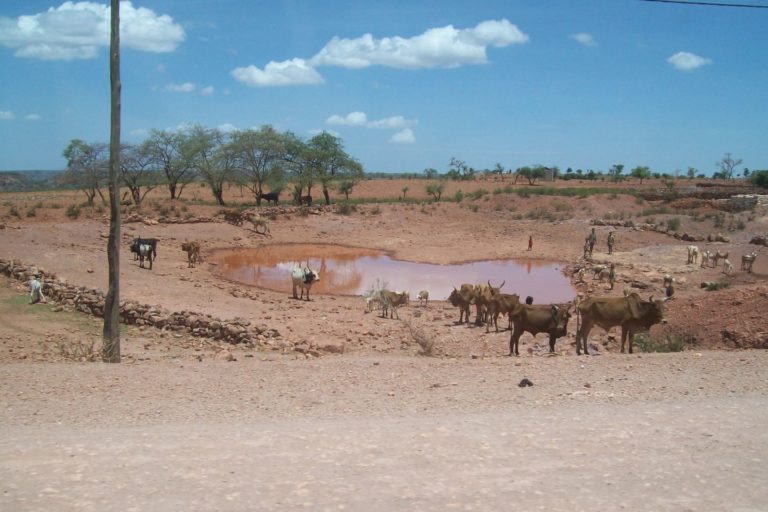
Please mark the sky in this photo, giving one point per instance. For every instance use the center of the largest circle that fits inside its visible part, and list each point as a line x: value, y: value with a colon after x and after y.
x: 408, y: 85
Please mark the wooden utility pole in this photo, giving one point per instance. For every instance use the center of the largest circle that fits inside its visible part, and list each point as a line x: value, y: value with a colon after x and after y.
x: 111, y: 332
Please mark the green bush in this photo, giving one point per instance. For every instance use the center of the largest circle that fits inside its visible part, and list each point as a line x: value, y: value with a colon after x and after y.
x: 474, y: 207
x: 673, y: 224
x: 670, y: 343
x: 73, y: 212
x: 458, y: 196
x: 31, y: 212
x: 720, y: 285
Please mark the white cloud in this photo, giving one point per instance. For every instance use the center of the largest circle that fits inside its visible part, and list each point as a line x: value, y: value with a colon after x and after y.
x: 403, y: 137
x: 76, y: 30
x: 317, y: 131
x: 685, y: 61
x: 361, y: 119
x: 443, y: 47
x: 207, y: 91
x: 289, y: 72
x: 393, y: 122
x: 32, y: 117
x: 227, y: 127
x: 6, y: 115
x: 185, y: 87
x: 139, y: 132
x: 351, y: 119
x: 584, y: 38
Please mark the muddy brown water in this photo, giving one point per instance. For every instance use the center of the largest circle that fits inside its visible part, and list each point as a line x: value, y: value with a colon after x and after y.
x: 355, y: 271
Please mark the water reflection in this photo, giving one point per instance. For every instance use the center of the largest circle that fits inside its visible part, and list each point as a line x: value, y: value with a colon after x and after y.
x: 353, y: 271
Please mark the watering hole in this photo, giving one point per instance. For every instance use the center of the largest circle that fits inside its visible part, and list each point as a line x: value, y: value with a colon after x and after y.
x: 355, y: 270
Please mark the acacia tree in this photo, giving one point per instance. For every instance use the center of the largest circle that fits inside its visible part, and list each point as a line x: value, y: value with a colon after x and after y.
x: 615, y: 172
x: 174, y: 153
x: 297, y: 163
x: 138, y: 171
x: 259, y: 155
x: 727, y: 165
x: 331, y: 163
x: 531, y: 173
x: 214, y: 158
x: 641, y: 172
x: 87, y: 167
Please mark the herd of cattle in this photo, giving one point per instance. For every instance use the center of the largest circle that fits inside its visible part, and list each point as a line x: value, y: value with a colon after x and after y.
x: 713, y: 258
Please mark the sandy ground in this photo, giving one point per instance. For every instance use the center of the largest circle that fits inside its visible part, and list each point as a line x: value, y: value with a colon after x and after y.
x: 381, y: 427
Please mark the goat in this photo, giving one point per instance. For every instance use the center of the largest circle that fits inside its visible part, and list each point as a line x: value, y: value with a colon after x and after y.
x: 424, y: 296
x: 193, y: 253
x: 747, y: 260
x: 719, y: 256
x: 727, y: 266
x: 693, y: 254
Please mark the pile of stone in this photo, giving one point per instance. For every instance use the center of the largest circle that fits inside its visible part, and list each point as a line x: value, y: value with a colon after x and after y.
x: 91, y: 301
x: 135, y: 217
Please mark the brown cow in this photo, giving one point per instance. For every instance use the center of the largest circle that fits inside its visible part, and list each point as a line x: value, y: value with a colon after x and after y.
x: 552, y: 319
x: 631, y: 313
x: 482, y: 297
x: 390, y: 301
x: 193, y: 253
x: 502, y: 304
x: 462, y: 298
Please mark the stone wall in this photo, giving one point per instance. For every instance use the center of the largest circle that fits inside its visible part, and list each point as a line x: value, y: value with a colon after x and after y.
x: 91, y: 301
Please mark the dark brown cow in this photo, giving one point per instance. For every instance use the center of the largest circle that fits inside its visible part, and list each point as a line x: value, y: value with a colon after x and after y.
x: 631, y: 313
x: 462, y: 298
x: 551, y: 319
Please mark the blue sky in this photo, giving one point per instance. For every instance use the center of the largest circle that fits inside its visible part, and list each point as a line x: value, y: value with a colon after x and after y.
x: 407, y: 85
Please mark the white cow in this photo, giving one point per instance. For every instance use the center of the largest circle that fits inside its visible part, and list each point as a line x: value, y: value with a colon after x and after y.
x: 727, y: 266
x: 747, y: 260
x: 304, y: 278
x: 705, y: 257
x: 693, y: 254
x: 424, y: 296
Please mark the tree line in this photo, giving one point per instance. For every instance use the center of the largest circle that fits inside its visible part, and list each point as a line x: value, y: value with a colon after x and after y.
x: 257, y: 159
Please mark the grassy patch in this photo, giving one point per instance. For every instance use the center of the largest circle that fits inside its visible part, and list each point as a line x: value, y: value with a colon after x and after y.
x: 669, y: 343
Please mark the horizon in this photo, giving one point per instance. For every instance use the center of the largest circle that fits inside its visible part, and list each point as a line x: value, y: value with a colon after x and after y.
x: 582, y: 85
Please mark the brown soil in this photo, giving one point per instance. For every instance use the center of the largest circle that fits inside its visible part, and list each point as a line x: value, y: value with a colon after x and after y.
x: 173, y: 379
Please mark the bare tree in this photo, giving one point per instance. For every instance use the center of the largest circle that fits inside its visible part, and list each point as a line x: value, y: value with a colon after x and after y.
x: 111, y: 332
x: 727, y: 165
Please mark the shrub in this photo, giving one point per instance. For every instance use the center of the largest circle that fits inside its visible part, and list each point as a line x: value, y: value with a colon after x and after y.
x: 73, y: 212
x: 31, y: 212
x: 376, y: 210
x: 720, y: 285
x: 670, y: 343
x: 54, y: 206
x: 673, y: 224
x: 302, y: 211
x: 474, y: 207
x: 458, y: 196
x: 347, y: 208
x: 477, y: 194
x: 14, y: 212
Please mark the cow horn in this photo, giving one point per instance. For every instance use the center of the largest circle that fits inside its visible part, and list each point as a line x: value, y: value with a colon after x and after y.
x: 502, y: 284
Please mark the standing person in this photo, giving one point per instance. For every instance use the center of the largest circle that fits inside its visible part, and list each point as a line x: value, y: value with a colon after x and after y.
x: 612, y: 275
x: 35, y: 290
x: 611, y: 241
x: 592, y: 240
x: 530, y: 242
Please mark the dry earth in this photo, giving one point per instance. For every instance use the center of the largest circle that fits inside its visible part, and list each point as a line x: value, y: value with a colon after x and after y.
x: 381, y: 427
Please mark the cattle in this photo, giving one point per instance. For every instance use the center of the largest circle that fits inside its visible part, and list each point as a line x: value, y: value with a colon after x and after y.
x: 747, y: 260
x: 551, y: 319
x: 706, y: 257
x: 483, y: 295
x: 630, y: 312
x: 719, y: 256
x: 193, y: 253
x: 306, y: 200
x: 304, y: 278
x: 502, y: 304
x: 390, y: 301
x: 260, y: 224
x: 270, y: 197
x: 145, y: 253
x: 424, y: 297
x: 138, y: 241
x: 597, y: 269
x: 727, y: 266
x: 462, y: 298
x: 693, y: 254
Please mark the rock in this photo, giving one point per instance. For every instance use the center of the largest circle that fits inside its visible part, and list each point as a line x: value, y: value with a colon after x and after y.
x: 525, y: 383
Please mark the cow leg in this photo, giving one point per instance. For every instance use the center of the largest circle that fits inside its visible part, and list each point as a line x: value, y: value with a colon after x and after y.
x: 552, y: 340
x: 581, y: 338
x: 514, y: 342
x: 294, y: 292
x: 624, y: 332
